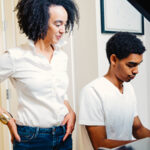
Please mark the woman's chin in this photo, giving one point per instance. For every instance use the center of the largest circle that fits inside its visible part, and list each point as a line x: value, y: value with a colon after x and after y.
x: 55, y: 42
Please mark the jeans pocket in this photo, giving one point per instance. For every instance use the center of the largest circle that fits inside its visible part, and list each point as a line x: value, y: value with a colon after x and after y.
x: 26, y: 137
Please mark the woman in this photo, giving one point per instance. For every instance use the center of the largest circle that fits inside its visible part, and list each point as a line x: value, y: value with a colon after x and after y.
x: 37, y: 70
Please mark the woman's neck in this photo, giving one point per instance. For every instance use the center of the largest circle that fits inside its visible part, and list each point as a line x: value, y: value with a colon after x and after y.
x: 44, y: 46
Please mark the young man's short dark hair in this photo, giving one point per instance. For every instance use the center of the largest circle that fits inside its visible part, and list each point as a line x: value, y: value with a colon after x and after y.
x: 122, y: 44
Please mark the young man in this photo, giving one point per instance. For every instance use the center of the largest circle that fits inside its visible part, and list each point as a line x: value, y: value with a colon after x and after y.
x: 108, y: 104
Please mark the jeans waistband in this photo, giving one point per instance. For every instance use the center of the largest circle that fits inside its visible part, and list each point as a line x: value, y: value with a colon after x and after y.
x: 56, y: 129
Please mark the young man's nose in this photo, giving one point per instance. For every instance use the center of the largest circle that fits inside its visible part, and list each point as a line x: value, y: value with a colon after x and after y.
x: 135, y: 71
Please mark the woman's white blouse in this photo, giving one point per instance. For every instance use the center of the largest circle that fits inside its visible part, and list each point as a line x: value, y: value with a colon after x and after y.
x: 41, y: 85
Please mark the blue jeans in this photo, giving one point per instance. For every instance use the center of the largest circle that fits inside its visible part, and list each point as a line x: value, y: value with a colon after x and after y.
x: 34, y: 138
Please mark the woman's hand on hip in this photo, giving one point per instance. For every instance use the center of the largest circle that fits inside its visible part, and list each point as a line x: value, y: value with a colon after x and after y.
x: 69, y: 120
x: 13, y: 130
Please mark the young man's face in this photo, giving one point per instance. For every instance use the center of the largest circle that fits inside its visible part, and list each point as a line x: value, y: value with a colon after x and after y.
x: 127, y: 68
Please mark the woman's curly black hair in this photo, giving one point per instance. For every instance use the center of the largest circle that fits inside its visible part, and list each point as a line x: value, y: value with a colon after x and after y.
x: 122, y: 44
x: 33, y: 16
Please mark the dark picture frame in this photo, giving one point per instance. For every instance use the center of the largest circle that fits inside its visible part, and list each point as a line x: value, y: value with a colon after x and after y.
x: 125, y: 17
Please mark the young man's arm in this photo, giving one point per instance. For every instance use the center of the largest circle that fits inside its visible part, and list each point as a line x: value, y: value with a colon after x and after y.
x: 98, y: 138
x: 139, y: 131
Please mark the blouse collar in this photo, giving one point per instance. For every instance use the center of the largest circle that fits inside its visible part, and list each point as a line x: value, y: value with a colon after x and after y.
x: 57, y: 46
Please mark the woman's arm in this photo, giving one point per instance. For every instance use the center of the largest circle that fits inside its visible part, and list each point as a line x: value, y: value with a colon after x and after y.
x: 11, y: 125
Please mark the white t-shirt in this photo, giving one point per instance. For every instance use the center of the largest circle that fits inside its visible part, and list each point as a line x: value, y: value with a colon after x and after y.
x: 41, y: 85
x: 102, y: 104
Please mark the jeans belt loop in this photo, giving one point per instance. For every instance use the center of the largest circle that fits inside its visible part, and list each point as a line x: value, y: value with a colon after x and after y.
x: 37, y: 131
x: 64, y: 128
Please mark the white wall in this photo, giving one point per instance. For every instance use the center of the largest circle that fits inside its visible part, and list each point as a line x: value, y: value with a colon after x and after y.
x: 147, y: 43
x: 85, y: 58
x: 141, y: 83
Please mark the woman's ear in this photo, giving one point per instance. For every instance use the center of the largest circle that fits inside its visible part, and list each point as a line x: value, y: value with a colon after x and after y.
x: 113, y: 59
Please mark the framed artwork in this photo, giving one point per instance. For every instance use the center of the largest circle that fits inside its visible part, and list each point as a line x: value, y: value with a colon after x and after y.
x: 120, y: 15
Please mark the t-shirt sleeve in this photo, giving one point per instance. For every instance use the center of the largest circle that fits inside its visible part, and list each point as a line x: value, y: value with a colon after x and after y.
x: 91, y: 110
x: 6, y: 66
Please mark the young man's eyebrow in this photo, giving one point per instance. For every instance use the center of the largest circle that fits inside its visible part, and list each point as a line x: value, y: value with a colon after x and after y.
x: 134, y: 63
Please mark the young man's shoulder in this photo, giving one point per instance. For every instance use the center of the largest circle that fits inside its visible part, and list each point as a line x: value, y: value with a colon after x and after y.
x: 98, y: 84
